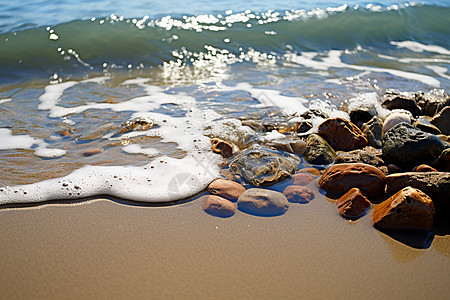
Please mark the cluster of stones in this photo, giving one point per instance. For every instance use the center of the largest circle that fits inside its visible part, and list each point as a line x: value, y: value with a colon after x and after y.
x: 399, y: 163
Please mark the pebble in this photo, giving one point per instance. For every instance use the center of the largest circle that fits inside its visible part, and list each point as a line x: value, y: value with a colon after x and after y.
x: 340, y: 178
x: 424, y: 168
x: 221, y: 147
x: 405, y: 101
x: 227, y: 189
x: 424, y: 124
x: 92, y: 151
x: 442, y: 120
x: 374, y: 132
x: 359, y: 156
x: 263, y: 202
x: 394, y: 119
x: 218, y: 206
x: 302, y: 179
x: 342, y: 134
x: 410, y: 208
x: 318, y: 151
x: 353, y: 204
x: 298, y: 194
x: 312, y: 171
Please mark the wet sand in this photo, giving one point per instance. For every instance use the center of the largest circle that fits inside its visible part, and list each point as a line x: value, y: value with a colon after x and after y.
x: 105, y: 249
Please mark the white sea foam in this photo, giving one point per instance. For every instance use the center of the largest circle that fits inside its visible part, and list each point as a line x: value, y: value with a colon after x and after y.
x: 137, y: 149
x: 418, y: 47
x: 5, y: 100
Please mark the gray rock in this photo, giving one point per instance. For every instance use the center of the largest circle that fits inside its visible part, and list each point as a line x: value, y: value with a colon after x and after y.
x: 374, y: 132
x: 407, y: 146
x: 359, y: 156
x: 318, y: 151
x: 432, y: 103
x: 407, y: 101
x: 263, y: 202
x: 424, y: 124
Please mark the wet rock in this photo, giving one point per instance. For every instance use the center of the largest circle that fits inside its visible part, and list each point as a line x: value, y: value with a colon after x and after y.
x: 264, y: 167
x: 298, y: 194
x: 288, y: 145
x: 443, y: 162
x: 218, y: 206
x: 424, y: 168
x: 263, y: 202
x: 432, y: 103
x: 359, y: 156
x: 410, y: 208
x: 303, y: 126
x: 359, y: 117
x: 443, y: 137
x: 299, y: 147
x: 408, y: 146
x: 374, y: 132
x: 221, y: 147
x: 424, y: 124
x: 138, y: 124
x: 314, y: 113
x: 312, y: 171
x: 63, y: 133
x: 353, y: 204
x: 342, y: 134
x: 226, y: 188
x: 92, y: 151
x: 393, y: 168
x: 253, y: 125
x: 340, y: 178
x: 302, y: 179
x: 394, y: 119
x: 442, y: 120
x: 407, y: 101
x: 318, y: 151
x: 434, y: 184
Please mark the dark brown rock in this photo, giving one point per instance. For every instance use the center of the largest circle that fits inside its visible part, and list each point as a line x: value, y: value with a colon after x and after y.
x: 298, y: 194
x: 405, y: 101
x: 424, y: 124
x: 226, y: 188
x: 302, y: 179
x: 342, y: 134
x: 263, y: 202
x: 303, y: 126
x: 443, y: 161
x: 359, y: 156
x: 432, y: 103
x: 442, y: 120
x: 424, y: 168
x: 374, y: 132
x: 353, y: 204
x: 218, y: 206
x: 318, y: 151
x: 221, y: 147
x: 409, y: 208
x: 340, y: 178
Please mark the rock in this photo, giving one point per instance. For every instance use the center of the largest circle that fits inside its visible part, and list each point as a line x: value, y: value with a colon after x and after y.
x: 299, y: 147
x: 443, y: 137
x: 353, y: 204
x: 298, y: 194
x: 431, y: 103
x: 288, y: 145
x: 407, y: 101
x: 92, y: 151
x: 434, y: 184
x: 264, y: 167
x: 359, y: 116
x: 424, y: 168
x: 340, y: 178
x: 227, y: 189
x: 263, y: 202
x: 359, y: 156
x: 342, y: 134
x: 303, y: 126
x: 443, y: 162
x: 393, y: 168
x: 394, y: 119
x: 312, y: 171
x: 374, y: 132
x: 218, y: 206
x: 408, y: 146
x: 409, y: 208
x: 138, y: 124
x: 442, y: 120
x: 314, y: 113
x: 253, y: 125
x: 424, y: 124
x: 302, y: 179
x: 318, y: 151
x: 63, y: 133
x: 221, y: 147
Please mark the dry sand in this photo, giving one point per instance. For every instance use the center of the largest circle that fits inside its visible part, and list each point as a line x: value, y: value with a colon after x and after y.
x: 105, y: 249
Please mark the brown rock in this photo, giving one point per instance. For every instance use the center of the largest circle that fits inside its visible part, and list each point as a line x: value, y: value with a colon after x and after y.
x: 218, y: 206
x: 353, y: 204
x: 359, y: 156
x: 92, y: 151
x: 312, y: 171
x: 424, y: 168
x: 298, y: 194
x: 408, y: 208
x: 302, y: 179
x: 263, y: 202
x: 338, y: 179
x: 405, y: 101
x: 63, y: 133
x: 221, y: 147
x: 342, y: 134
x: 227, y: 189
x: 442, y: 120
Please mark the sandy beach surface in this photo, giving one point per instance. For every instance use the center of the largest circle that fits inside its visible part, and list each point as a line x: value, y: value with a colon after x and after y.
x: 107, y: 249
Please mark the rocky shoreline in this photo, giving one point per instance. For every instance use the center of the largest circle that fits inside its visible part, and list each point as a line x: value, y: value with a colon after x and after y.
x: 392, y: 155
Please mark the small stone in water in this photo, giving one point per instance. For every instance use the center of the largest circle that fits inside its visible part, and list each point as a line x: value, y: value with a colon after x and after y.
x: 227, y: 189
x: 263, y: 202
x: 221, y: 147
x: 298, y: 194
x: 92, y: 151
x: 302, y: 179
x: 218, y: 206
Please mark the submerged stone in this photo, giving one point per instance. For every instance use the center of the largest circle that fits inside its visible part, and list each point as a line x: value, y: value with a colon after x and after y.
x: 302, y: 179
x: 318, y: 151
x: 342, y: 134
x: 261, y: 167
x: 298, y: 194
x: 263, y: 202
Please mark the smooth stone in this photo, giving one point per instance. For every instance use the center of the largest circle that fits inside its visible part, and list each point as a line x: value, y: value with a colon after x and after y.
x: 408, y: 146
x: 92, y: 151
x: 406, y: 101
x: 303, y: 126
x: 443, y: 162
x: 312, y: 171
x: 342, y: 134
x: 292, y: 146
x: 318, y: 151
x: 374, y: 132
x: 263, y: 202
x: 253, y: 125
x: 340, y: 178
x: 393, y: 168
x: 302, y: 179
x: 409, y: 208
x: 424, y: 124
x: 221, y: 147
x: 394, y: 119
x: 424, y: 168
x: 298, y: 194
x: 434, y: 184
x: 442, y: 120
x: 227, y: 189
x: 432, y: 103
x: 261, y: 167
x: 218, y: 206
x: 359, y: 156
x: 138, y: 124
x: 353, y: 204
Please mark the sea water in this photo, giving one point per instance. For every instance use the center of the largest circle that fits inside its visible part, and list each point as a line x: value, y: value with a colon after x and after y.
x: 73, y: 75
